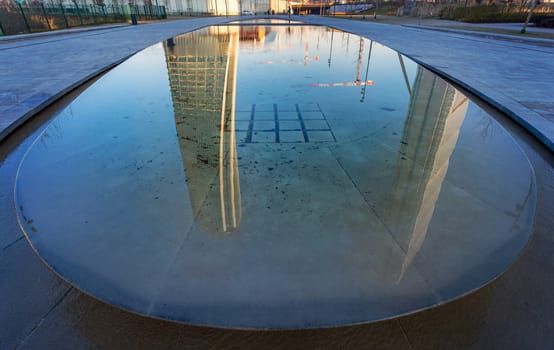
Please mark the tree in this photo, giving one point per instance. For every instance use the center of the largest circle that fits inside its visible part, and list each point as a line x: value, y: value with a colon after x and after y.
x: 533, y: 5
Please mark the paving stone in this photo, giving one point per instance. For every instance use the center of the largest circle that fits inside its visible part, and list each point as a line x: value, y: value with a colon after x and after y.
x: 80, y: 322
x: 29, y: 292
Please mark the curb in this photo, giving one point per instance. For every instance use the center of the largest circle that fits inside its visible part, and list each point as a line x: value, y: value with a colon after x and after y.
x: 486, y: 35
x: 30, y: 36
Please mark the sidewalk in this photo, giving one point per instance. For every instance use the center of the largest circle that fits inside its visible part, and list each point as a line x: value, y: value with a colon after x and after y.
x: 443, y: 23
x: 19, y: 37
x: 516, y: 27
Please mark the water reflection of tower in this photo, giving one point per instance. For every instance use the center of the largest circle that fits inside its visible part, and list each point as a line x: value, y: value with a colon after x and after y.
x: 436, y: 113
x: 202, y: 75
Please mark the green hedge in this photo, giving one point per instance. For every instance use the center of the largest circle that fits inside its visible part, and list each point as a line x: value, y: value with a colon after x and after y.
x: 483, y: 13
x: 544, y: 20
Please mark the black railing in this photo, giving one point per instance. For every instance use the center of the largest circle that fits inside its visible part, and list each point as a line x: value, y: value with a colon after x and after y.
x: 16, y: 18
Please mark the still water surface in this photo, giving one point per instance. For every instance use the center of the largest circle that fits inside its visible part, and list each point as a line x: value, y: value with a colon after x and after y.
x: 275, y: 177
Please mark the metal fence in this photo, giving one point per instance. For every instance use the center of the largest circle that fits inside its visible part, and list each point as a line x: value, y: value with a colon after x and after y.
x: 17, y: 18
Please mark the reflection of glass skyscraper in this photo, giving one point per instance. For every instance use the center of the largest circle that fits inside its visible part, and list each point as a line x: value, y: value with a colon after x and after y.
x: 436, y: 113
x: 202, y: 75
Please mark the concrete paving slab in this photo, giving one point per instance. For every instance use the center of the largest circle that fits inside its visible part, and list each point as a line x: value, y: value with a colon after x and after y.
x: 29, y: 292
x: 475, y: 31
x: 531, y: 28
x: 474, y: 324
x: 83, y: 323
x: 19, y: 37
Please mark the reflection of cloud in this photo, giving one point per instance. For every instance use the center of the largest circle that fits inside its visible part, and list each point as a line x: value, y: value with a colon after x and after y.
x: 435, y: 116
x: 202, y: 74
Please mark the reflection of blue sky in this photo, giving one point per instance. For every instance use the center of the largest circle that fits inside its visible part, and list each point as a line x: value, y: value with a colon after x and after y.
x: 122, y: 122
x: 303, y: 60
x: 278, y: 70
x: 142, y: 79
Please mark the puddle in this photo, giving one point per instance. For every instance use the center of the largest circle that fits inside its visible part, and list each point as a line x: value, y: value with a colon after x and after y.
x: 275, y: 176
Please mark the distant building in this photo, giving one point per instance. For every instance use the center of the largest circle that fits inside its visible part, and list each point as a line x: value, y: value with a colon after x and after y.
x: 193, y: 7
x: 214, y: 7
x: 224, y: 7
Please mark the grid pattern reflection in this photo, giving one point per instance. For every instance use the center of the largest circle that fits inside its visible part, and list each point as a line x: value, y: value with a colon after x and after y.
x: 300, y: 123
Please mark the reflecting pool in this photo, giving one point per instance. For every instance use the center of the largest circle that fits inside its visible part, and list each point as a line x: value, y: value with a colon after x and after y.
x: 275, y: 177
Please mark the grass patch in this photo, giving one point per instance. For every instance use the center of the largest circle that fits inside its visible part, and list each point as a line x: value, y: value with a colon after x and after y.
x: 483, y: 14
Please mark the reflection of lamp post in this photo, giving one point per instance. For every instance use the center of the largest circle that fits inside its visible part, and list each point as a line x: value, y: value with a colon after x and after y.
x: 366, y: 71
x: 330, y: 50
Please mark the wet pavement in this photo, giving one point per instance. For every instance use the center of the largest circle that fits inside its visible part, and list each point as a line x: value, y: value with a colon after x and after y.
x: 38, y: 310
